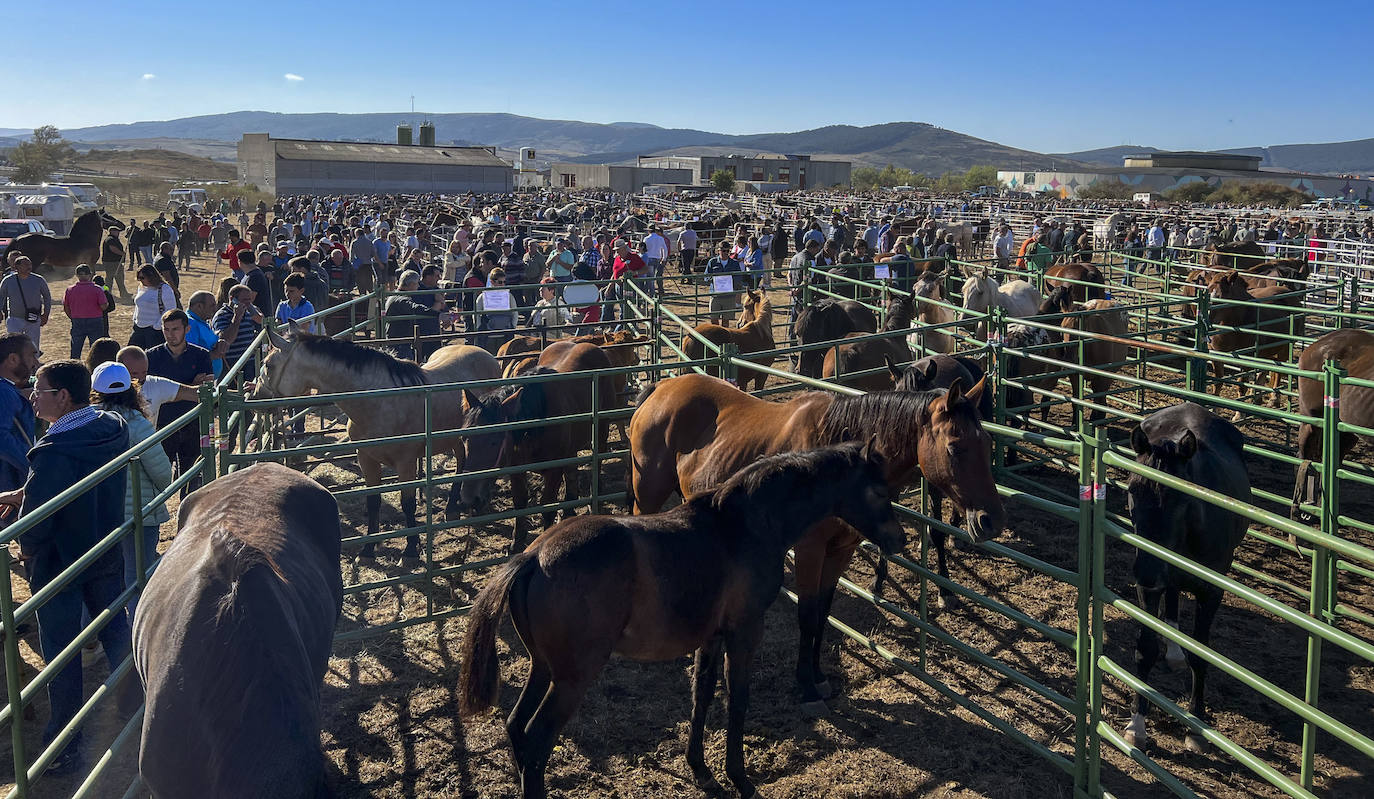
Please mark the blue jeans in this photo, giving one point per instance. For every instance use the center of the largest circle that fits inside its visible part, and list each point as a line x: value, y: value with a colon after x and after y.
x: 84, y: 329
x: 59, y: 622
x: 150, y: 536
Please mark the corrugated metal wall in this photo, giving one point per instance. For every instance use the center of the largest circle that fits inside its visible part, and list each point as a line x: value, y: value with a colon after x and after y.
x: 348, y: 177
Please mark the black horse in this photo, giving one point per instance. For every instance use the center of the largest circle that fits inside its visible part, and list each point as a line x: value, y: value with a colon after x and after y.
x: 698, y: 577
x: 829, y: 320
x: 81, y: 247
x: 1191, y: 444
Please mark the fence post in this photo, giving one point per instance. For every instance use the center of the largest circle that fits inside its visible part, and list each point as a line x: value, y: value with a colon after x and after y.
x: 1197, y: 366
x: 728, y: 370
x: 1084, y: 651
x: 207, y: 431
x: 1097, y: 590
x: 596, y: 448
x: 12, y: 686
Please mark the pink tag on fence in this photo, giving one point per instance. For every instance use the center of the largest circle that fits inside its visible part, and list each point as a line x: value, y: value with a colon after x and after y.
x: 1100, y: 491
x: 1085, y: 493
x: 1331, y: 402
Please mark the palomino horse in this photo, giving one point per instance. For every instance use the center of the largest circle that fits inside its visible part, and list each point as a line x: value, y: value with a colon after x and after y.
x: 243, y: 605
x: 1259, y: 330
x: 690, y: 433
x: 698, y: 577
x: 1352, y: 350
x: 754, y: 334
x: 529, y: 402
x: 865, y: 356
x: 81, y: 247
x: 307, y: 362
x: 829, y: 320
x: 1193, y: 445
x: 927, y: 292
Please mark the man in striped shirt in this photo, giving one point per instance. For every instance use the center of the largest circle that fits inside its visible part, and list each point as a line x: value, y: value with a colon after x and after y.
x: 238, y: 322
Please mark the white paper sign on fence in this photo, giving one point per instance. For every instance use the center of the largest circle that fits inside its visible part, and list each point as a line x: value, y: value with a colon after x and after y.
x: 882, y: 272
x: 722, y: 283
x: 496, y: 300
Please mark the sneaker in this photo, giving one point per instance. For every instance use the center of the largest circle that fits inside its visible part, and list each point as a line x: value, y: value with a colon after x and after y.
x: 92, y: 654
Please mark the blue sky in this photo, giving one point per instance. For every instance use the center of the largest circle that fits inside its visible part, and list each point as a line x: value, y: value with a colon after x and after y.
x: 1046, y: 76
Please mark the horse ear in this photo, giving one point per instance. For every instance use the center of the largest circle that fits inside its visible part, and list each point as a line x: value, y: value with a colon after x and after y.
x: 975, y: 394
x: 512, y: 401
x: 276, y: 338
x: 1187, y: 445
x: 892, y: 368
x: 870, y: 449
x: 955, y: 395
x: 930, y: 372
x: 1139, y: 441
x: 294, y: 327
x: 470, y: 400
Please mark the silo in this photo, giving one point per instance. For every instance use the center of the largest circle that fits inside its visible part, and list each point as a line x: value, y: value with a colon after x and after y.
x: 404, y: 134
x: 427, y: 134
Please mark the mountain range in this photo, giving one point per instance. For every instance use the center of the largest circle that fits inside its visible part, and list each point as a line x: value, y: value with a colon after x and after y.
x: 918, y: 146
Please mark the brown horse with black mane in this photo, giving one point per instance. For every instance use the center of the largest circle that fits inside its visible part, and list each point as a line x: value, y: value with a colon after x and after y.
x: 699, y: 577
x: 81, y: 247
x: 754, y: 334
x: 232, y: 639
x: 1353, y: 350
x: 846, y: 360
x: 690, y: 433
x: 1260, y: 329
x: 529, y: 402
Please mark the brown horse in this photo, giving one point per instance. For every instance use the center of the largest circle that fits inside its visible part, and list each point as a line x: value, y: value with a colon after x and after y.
x: 698, y: 577
x: 1352, y: 350
x: 828, y: 320
x: 867, y: 356
x: 690, y: 433
x: 1260, y: 330
x: 81, y: 247
x: 1086, y: 280
x: 1238, y: 255
x: 305, y: 362
x: 754, y: 334
x: 529, y: 402
x: 243, y: 605
x: 926, y: 292
x: 1106, y: 319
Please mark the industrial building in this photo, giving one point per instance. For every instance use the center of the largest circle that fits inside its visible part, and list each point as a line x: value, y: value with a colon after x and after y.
x: 300, y: 166
x: 623, y: 179
x: 1162, y: 171
x: 768, y: 171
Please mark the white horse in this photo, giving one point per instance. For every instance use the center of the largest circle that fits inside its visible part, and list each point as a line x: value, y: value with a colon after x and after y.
x: 962, y: 233
x: 1017, y: 297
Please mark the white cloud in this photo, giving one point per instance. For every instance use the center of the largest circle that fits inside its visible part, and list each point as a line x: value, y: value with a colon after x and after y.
x: 292, y: 76
x: 148, y: 76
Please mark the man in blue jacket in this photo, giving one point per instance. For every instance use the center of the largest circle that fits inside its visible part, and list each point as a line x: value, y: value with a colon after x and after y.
x: 18, y: 362
x: 79, y: 441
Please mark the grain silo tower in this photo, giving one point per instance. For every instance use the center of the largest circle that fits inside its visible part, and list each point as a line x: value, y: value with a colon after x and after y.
x: 426, y: 134
x: 404, y: 134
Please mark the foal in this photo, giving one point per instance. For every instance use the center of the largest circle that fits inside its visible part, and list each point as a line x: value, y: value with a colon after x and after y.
x: 656, y: 587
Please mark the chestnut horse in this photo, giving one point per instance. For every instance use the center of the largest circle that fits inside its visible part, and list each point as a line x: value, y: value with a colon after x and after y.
x: 868, y: 355
x: 81, y: 247
x: 754, y: 334
x: 1086, y: 280
x: 527, y: 402
x: 690, y: 433
x: 1258, y: 329
x: 699, y: 577
x: 1353, y: 350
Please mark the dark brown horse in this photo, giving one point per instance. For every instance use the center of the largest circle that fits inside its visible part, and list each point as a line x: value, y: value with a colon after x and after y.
x: 1352, y: 350
x: 1075, y: 276
x: 81, y: 247
x: 1260, y: 331
x: 829, y: 320
x: 1238, y: 255
x: 690, y: 433
x: 698, y: 577
x: 867, y: 356
x: 232, y: 639
x: 754, y: 334
x: 530, y: 402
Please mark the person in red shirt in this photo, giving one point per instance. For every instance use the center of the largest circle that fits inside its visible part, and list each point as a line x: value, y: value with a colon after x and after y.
x: 85, y: 304
x: 231, y: 253
x: 627, y: 262
x: 202, y: 236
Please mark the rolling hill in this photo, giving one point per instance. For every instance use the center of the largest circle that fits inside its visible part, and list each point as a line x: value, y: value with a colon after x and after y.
x: 1333, y: 158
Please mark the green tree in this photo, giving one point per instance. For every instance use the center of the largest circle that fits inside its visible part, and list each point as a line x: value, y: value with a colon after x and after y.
x: 980, y: 175
x: 1194, y: 192
x: 37, y: 158
x: 950, y: 183
x: 865, y: 178
x: 722, y: 180
x: 1265, y: 194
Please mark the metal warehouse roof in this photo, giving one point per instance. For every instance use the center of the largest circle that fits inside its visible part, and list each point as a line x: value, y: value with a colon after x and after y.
x: 300, y: 150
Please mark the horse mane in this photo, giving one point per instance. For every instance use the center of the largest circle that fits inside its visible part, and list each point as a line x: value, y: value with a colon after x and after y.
x: 534, y: 401
x: 771, y: 482
x: 900, y: 313
x: 239, y: 557
x: 362, y: 359
x: 887, y: 414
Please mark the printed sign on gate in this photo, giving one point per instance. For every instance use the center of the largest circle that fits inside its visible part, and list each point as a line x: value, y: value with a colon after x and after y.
x: 722, y: 283
x: 496, y: 300
x: 882, y: 272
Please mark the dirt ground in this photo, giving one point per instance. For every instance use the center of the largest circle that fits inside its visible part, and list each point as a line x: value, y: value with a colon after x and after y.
x: 391, y: 727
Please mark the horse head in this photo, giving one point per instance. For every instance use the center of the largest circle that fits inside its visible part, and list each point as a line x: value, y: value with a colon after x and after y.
x: 491, y: 450
x: 1228, y: 285
x: 107, y: 221
x: 1058, y: 301
x: 955, y: 455
x: 980, y: 293
x: 870, y: 510
x: 1153, y: 513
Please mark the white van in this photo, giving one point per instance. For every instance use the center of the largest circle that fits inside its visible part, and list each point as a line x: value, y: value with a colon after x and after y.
x: 195, y: 199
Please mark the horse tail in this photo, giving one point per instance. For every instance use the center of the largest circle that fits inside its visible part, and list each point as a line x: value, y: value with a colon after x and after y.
x: 480, y: 679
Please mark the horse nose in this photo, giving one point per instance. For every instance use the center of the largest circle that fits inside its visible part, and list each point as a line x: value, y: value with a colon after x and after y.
x: 983, y: 526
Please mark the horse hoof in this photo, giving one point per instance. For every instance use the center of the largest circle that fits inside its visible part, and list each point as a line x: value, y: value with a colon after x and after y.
x: 948, y: 602
x: 1175, y: 659
x: 1195, y: 744
x: 410, y: 561
x: 823, y: 688
x: 1237, y: 416
x: 1141, y: 742
x: 815, y: 709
